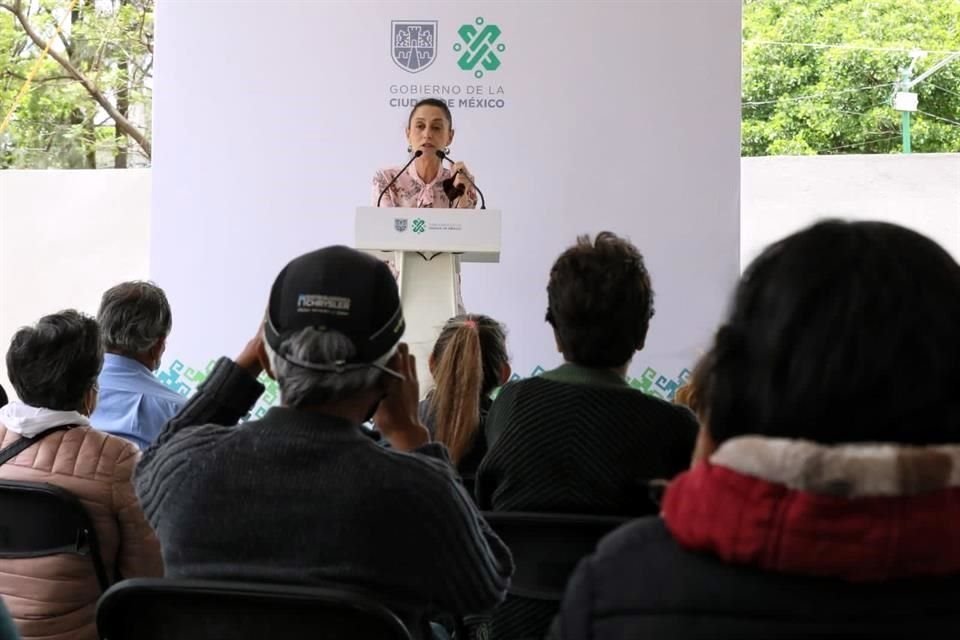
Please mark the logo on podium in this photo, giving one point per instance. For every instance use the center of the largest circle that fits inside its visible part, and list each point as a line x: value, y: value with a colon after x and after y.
x: 419, y: 225
x: 400, y: 224
x: 414, y: 44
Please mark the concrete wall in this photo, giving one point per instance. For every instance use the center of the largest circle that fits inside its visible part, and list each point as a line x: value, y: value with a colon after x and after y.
x: 781, y: 194
x: 65, y: 237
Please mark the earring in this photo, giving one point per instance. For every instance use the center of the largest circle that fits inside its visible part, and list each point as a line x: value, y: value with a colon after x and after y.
x: 409, y: 149
x: 446, y: 151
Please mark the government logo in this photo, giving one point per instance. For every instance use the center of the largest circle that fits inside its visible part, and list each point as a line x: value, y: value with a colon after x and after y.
x: 479, y: 47
x: 414, y: 45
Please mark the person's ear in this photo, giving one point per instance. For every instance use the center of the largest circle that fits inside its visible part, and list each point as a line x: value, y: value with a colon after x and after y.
x: 450, y: 138
x: 156, y: 352
x: 505, y: 373
x: 89, y: 404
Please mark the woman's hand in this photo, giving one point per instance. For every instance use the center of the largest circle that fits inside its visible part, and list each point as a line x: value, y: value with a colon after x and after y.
x: 462, y: 176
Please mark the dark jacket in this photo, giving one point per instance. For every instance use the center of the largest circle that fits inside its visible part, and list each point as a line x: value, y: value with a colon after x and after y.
x: 776, y: 538
x: 642, y: 585
x: 300, y: 497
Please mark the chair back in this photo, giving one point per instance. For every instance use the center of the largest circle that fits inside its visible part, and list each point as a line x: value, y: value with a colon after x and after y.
x: 546, y: 547
x: 188, y: 609
x: 39, y: 519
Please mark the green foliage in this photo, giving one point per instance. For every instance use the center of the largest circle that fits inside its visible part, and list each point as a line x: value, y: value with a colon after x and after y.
x: 823, y: 100
x: 58, y: 124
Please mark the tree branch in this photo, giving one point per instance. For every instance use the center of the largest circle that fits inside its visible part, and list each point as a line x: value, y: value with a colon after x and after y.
x: 14, y: 74
x: 122, y: 123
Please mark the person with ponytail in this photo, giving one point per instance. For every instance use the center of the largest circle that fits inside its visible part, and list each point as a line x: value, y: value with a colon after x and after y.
x: 469, y: 361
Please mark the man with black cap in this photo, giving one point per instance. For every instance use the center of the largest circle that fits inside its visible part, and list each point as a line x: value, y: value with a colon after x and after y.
x: 306, y: 494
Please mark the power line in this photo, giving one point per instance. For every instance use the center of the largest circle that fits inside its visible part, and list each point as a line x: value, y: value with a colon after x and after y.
x: 852, y: 47
x: 860, y: 144
x: 936, y: 117
x: 944, y: 89
x: 815, y: 95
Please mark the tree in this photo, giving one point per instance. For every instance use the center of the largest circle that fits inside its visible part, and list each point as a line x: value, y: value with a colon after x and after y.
x: 89, y: 105
x: 818, y: 75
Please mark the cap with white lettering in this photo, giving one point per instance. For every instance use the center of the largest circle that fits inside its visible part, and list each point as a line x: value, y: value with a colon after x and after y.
x: 337, y: 289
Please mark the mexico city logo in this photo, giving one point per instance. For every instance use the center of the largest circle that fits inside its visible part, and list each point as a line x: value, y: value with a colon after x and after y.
x: 480, y: 47
x: 414, y: 44
x: 400, y: 224
x: 419, y: 225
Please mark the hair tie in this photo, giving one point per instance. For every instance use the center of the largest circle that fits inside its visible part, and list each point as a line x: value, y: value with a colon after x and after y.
x: 471, y: 324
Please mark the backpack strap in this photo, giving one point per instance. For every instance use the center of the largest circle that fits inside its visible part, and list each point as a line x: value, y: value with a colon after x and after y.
x: 13, y: 450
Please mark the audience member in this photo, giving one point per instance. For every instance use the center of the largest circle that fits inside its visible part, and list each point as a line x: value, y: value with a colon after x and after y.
x: 579, y: 438
x: 825, y: 501
x: 305, y: 495
x: 135, y: 321
x: 53, y: 367
x: 468, y: 362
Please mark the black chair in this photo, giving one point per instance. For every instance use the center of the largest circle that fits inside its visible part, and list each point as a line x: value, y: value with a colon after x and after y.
x: 187, y: 609
x: 39, y: 519
x: 546, y: 548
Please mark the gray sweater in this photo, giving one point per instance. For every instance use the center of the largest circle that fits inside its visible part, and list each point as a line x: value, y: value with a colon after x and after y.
x: 299, y: 497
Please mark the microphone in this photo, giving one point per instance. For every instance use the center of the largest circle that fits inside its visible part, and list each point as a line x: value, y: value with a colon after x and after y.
x: 399, y: 173
x: 443, y: 156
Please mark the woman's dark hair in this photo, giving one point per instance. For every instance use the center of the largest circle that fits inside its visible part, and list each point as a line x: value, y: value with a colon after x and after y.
x: 468, y: 359
x: 431, y: 102
x: 3, y: 397
x: 600, y: 301
x: 56, y: 362
x: 843, y: 332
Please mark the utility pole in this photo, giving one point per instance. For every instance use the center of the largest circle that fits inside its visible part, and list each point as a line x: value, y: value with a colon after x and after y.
x: 904, y: 100
x: 906, y: 103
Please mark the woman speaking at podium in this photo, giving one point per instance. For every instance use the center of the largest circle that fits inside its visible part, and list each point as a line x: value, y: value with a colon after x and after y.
x: 424, y: 181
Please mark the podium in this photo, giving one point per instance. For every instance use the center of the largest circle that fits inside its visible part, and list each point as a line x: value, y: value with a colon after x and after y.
x: 426, y: 247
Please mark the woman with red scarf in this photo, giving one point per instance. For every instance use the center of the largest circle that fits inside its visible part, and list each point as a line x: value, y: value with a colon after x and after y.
x: 826, y: 498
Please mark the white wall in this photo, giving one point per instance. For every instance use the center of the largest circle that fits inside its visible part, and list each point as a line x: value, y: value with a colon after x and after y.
x: 65, y: 237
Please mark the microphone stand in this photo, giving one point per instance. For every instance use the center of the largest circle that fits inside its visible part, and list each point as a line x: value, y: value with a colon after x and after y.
x: 400, y: 173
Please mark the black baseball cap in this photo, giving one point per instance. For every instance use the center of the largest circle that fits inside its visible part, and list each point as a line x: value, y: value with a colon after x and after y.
x: 338, y: 289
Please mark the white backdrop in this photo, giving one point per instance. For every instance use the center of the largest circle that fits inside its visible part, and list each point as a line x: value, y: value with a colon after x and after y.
x: 270, y: 119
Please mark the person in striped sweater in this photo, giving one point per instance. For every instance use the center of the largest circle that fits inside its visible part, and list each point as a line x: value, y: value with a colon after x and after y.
x: 579, y: 439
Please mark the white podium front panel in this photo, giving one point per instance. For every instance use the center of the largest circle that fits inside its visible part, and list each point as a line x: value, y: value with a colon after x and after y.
x: 473, y: 233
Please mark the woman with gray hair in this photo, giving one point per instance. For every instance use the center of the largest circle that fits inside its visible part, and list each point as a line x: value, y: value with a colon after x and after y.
x: 47, y: 437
